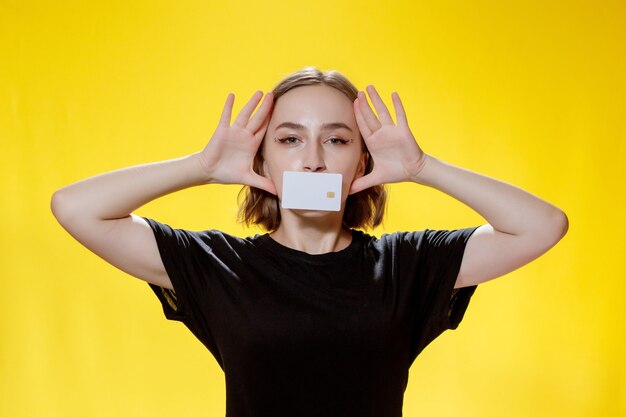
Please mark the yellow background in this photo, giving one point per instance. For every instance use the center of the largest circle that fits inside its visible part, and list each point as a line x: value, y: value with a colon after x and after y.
x: 532, y: 94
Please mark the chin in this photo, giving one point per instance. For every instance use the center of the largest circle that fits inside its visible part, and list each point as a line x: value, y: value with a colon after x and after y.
x: 314, y: 214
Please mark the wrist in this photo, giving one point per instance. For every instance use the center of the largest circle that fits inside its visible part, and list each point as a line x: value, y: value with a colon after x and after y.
x: 424, y: 166
x: 198, y: 170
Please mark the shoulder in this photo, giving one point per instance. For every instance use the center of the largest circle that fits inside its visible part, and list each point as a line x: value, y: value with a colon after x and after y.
x: 425, y: 239
x: 207, y: 238
x: 224, y: 241
x: 395, y: 237
x: 395, y: 241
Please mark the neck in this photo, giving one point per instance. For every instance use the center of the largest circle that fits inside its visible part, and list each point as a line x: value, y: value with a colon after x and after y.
x: 314, y: 235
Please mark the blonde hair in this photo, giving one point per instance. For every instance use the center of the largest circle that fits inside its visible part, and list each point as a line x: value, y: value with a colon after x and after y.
x: 364, y: 209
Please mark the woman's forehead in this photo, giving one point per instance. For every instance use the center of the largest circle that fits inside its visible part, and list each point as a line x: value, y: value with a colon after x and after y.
x: 324, y: 126
x: 323, y: 108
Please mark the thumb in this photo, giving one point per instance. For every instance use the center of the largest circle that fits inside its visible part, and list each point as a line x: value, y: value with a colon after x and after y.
x: 263, y: 183
x: 363, y: 183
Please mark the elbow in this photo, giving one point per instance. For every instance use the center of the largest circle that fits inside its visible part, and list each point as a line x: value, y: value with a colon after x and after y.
x: 562, y: 223
x: 54, y: 203
x: 546, y: 231
x: 58, y: 206
x: 559, y: 225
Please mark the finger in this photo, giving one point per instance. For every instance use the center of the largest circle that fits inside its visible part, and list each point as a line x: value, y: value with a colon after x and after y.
x: 227, y: 110
x: 260, y: 134
x: 364, y: 182
x: 368, y: 114
x: 360, y: 121
x: 261, y: 114
x: 244, y: 114
x: 380, y: 106
x: 400, y: 114
x: 263, y: 183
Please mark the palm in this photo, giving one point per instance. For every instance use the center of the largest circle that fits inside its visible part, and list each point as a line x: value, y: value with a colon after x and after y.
x: 392, y: 153
x: 233, y: 149
x: 396, y: 155
x: 229, y: 155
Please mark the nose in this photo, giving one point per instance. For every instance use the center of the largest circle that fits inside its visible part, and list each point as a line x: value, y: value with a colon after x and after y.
x: 313, y: 160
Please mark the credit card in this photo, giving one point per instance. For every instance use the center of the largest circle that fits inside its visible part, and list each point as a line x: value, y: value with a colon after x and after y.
x: 311, y: 191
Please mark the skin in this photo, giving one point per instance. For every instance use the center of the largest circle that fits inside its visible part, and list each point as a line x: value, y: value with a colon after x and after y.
x: 312, y: 148
x: 97, y: 211
x: 521, y: 226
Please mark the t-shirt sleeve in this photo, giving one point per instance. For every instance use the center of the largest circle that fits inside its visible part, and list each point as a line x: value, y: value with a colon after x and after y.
x: 180, y: 252
x: 191, y: 265
x: 440, y: 306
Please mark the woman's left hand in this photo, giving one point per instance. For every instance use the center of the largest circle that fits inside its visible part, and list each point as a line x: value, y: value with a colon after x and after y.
x: 396, y: 155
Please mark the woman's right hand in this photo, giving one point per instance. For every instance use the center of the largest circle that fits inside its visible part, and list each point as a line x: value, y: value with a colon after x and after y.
x: 228, y: 157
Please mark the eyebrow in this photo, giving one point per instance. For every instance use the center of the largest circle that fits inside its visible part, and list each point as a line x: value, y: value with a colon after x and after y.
x: 325, y: 126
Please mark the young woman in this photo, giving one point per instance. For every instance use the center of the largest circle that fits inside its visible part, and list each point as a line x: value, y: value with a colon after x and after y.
x: 315, y: 317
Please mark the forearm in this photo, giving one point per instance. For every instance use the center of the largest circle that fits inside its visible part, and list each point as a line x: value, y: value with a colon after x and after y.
x: 118, y: 193
x: 507, y: 208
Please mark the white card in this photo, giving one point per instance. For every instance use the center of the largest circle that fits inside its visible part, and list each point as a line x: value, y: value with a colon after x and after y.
x: 311, y: 191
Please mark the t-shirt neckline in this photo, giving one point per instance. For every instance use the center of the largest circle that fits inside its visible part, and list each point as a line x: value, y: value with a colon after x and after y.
x: 328, y: 257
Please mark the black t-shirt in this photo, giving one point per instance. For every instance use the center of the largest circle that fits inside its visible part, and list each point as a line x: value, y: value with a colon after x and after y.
x: 326, y: 335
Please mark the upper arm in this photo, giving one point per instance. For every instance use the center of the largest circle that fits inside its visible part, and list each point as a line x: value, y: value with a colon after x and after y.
x: 490, y: 253
x: 127, y: 243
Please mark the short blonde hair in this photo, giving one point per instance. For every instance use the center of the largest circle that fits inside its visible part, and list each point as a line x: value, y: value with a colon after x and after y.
x: 364, y: 209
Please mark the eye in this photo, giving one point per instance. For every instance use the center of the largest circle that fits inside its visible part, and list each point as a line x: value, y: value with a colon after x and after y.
x: 339, y: 141
x: 288, y: 140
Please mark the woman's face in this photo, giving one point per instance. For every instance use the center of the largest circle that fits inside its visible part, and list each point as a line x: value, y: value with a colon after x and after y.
x: 312, y: 128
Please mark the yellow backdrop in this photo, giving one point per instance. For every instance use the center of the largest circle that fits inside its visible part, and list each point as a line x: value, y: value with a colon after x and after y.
x: 532, y: 94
